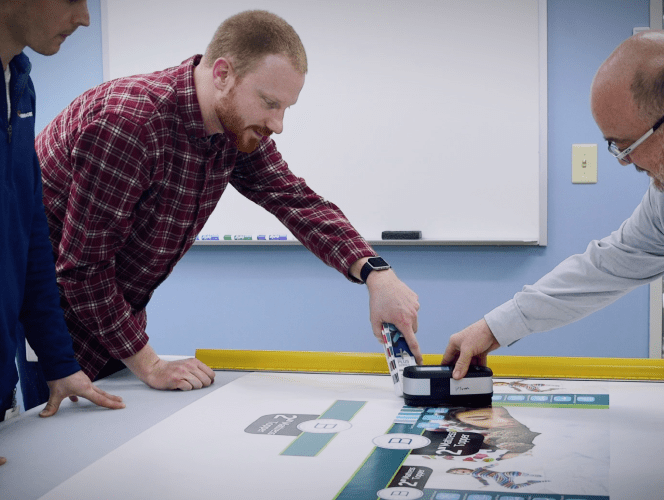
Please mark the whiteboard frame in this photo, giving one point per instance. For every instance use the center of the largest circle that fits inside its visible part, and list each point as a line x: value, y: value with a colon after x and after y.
x: 543, y: 151
x: 656, y: 349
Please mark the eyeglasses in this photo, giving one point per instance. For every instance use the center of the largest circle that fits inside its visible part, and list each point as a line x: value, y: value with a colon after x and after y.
x: 624, y: 154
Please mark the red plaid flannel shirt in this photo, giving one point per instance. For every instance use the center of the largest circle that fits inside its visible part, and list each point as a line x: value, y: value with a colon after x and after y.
x: 130, y: 178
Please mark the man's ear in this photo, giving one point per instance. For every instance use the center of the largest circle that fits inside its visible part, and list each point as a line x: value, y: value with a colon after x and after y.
x: 223, y: 74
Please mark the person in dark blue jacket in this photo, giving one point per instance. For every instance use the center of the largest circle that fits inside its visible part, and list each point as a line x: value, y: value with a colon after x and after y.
x: 29, y: 297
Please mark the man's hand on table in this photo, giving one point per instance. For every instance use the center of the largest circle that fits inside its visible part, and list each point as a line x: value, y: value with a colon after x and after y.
x: 184, y: 374
x: 469, y: 346
x: 77, y: 384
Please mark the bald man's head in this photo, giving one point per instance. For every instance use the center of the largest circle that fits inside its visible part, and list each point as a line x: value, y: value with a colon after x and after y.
x: 627, y: 98
x: 634, y: 71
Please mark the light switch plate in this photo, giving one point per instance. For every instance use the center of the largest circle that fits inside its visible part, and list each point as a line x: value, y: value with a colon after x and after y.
x: 584, y: 163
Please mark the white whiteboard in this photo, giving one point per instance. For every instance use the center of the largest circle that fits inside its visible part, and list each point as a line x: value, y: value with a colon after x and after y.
x: 424, y: 115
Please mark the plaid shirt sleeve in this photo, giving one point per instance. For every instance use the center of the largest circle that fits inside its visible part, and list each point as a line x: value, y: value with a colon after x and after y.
x: 264, y: 178
x: 110, y: 172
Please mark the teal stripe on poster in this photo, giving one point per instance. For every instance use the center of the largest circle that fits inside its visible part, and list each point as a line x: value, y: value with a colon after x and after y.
x: 378, y: 469
x: 310, y: 444
x: 343, y: 410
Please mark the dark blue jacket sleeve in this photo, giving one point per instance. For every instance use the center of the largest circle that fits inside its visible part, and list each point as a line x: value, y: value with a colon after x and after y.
x: 41, y: 314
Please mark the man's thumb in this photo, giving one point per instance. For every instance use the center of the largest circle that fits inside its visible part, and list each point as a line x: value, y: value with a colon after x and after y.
x: 51, y: 407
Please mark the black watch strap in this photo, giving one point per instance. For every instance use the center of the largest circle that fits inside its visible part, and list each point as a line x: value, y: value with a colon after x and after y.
x: 373, y: 264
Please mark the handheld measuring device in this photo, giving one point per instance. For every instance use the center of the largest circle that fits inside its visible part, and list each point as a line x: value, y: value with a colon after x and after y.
x: 434, y: 386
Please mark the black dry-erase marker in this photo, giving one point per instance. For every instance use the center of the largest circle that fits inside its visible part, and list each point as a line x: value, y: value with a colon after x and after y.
x: 434, y: 386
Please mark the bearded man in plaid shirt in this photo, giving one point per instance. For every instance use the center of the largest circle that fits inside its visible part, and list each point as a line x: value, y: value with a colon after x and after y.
x: 133, y: 168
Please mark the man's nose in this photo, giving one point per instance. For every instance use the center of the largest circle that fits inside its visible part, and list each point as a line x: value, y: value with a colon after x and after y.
x: 82, y: 15
x: 276, y: 122
x: 626, y: 160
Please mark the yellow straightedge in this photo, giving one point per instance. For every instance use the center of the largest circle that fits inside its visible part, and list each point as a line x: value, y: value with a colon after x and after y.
x: 502, y: 366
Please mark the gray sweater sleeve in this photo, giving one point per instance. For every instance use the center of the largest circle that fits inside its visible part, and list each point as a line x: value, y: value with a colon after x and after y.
x: 585, y: 283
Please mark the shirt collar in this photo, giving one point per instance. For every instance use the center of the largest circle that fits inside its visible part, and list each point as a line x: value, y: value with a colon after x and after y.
x: 189, y: 107
x: 21, y: 63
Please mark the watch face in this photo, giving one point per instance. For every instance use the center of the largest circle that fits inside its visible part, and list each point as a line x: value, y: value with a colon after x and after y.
x: 378, y: 263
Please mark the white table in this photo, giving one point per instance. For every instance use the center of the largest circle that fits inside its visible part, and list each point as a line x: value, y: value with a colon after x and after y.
x: 196, y: 444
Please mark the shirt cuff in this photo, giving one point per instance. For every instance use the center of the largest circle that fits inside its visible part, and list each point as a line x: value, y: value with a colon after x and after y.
x: 59, y: 370
x: 507, y: 324
x: 130, y: 339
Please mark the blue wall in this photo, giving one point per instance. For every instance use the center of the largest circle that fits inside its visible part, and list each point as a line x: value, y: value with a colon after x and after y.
x: 284, y: 298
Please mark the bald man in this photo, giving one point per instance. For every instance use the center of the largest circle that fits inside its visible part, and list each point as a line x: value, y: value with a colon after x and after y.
x: 627, y: 103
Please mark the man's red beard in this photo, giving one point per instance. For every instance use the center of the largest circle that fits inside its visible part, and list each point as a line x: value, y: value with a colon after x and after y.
x: 230, y: 119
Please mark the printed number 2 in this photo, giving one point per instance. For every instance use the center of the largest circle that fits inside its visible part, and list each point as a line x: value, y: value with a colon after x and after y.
x: 402, y: 482
x: 445, y: 450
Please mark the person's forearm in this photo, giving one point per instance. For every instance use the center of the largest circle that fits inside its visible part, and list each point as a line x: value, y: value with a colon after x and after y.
x: 142, y: 363
x: 41, y: 316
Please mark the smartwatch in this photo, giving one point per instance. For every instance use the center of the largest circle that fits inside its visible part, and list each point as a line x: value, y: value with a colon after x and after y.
x: 373, y: 264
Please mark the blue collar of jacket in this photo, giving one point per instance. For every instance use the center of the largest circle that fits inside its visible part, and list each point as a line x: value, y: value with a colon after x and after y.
x: 21, y: 63
x: 20, y: 67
